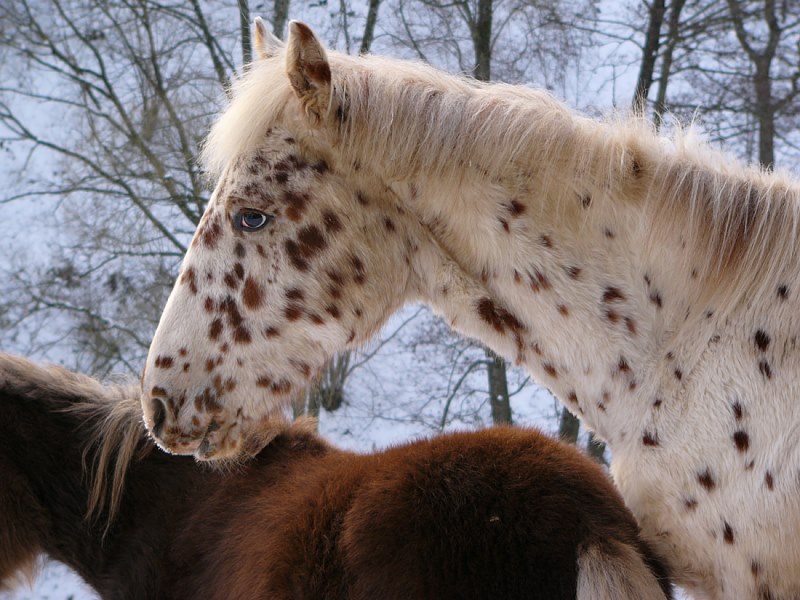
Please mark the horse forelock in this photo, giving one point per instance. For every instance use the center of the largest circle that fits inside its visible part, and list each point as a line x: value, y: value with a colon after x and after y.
x: 112, y: 434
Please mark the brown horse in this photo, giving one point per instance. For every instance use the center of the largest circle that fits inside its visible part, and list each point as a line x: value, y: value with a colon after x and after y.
x: 501, y: 513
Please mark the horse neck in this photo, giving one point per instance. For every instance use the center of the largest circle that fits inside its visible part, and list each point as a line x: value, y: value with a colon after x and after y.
x: 582, y: 272
x: 42, y: 442
x: 41, y: 458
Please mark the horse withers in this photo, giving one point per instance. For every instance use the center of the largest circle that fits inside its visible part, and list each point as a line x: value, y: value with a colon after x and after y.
x: 500, y: 513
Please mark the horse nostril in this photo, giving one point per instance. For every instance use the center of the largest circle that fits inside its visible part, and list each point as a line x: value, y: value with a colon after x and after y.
x: 159, y: 415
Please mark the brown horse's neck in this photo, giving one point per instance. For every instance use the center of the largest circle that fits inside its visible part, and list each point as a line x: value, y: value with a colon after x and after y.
x: 170, y: 508
x: 45, y: 494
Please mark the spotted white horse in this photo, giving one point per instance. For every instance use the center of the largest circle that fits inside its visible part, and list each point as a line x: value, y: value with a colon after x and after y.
x: 652, y: 284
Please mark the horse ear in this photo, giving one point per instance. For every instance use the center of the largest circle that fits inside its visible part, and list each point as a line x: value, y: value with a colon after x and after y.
x: 308, y: 70
x: 265, y: 44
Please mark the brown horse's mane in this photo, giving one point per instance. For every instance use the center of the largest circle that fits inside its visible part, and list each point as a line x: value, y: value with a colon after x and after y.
x: 110, y: 416
x: 110, y: 426
x: 739, y: 223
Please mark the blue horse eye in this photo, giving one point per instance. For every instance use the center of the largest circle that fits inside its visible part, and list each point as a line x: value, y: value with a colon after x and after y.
x: 251, y: 220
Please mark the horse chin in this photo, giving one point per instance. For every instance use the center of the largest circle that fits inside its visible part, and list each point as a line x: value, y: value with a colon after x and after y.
x: 241, y: 441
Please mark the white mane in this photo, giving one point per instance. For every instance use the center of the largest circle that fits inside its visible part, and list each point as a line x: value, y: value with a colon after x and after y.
x: 740, y: 223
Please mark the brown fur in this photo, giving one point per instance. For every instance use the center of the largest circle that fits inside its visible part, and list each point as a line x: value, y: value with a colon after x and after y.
x: 502, y: 513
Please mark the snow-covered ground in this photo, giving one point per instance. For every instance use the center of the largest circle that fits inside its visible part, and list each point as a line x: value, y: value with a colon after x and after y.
x: 55, y: 582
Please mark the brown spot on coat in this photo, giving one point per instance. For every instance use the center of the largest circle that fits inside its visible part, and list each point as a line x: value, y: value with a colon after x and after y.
x: 690, y: 504
x: 281, y: 387
x: 239, y: 250
x: 636, y: 167
x: 761, y: 340
x: 320, y: 167
x: 574, y: 272
x: 727, y: 533
x: 769, y: 480
x: 271, y: 332
x: 211, y: 232
x: 563, y: 310
x: 678, y: 374
x: 164, y: 362
x: 631, y: 325
x: 295, y: 294
x: 764, y: 368
x: 231, y: 281
x: 650, y: 439
x: 252, y: 295
x: 706, y: 479
x: 498, y: 318
x: 655, y: 298
x: 539, y: 281
x: 550, y: 370
x: 516, y: 208
x: 613, y: 294
x: 293, y: 311
x: 783, y: 292
x: 295, y: 256
x: 331, y: 222
x: 295, y: 204
x: 215, y: 329
x: 231, y: 310
x: 241, y: 335
x: 742, y: 440
x: 189, y: 277
x: 738, y: 411
x: 358, y: 267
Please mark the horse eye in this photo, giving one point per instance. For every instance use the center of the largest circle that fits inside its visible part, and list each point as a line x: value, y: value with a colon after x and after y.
x: 251, y: 220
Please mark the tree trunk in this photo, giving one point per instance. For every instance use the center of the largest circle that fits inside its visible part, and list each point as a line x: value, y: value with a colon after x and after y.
x: 765, y: 113
x: 482, y: 40
x: 498, y: 389
x: 596, y: 449
x: 649, y: 56
x: 369, y: 27
x: 568, y: 426
x: 673, y: 32
x: 764, y: 108
x: 280, y: 14
x: 244, y: 27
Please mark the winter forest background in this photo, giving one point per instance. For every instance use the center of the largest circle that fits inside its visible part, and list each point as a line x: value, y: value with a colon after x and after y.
x: 104, y: 103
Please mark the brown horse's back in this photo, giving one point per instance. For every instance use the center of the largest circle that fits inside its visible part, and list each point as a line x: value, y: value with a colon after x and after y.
x: 502, y: 513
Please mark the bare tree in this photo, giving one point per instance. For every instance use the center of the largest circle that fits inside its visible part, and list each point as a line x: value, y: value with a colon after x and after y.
x: 738, y: 66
